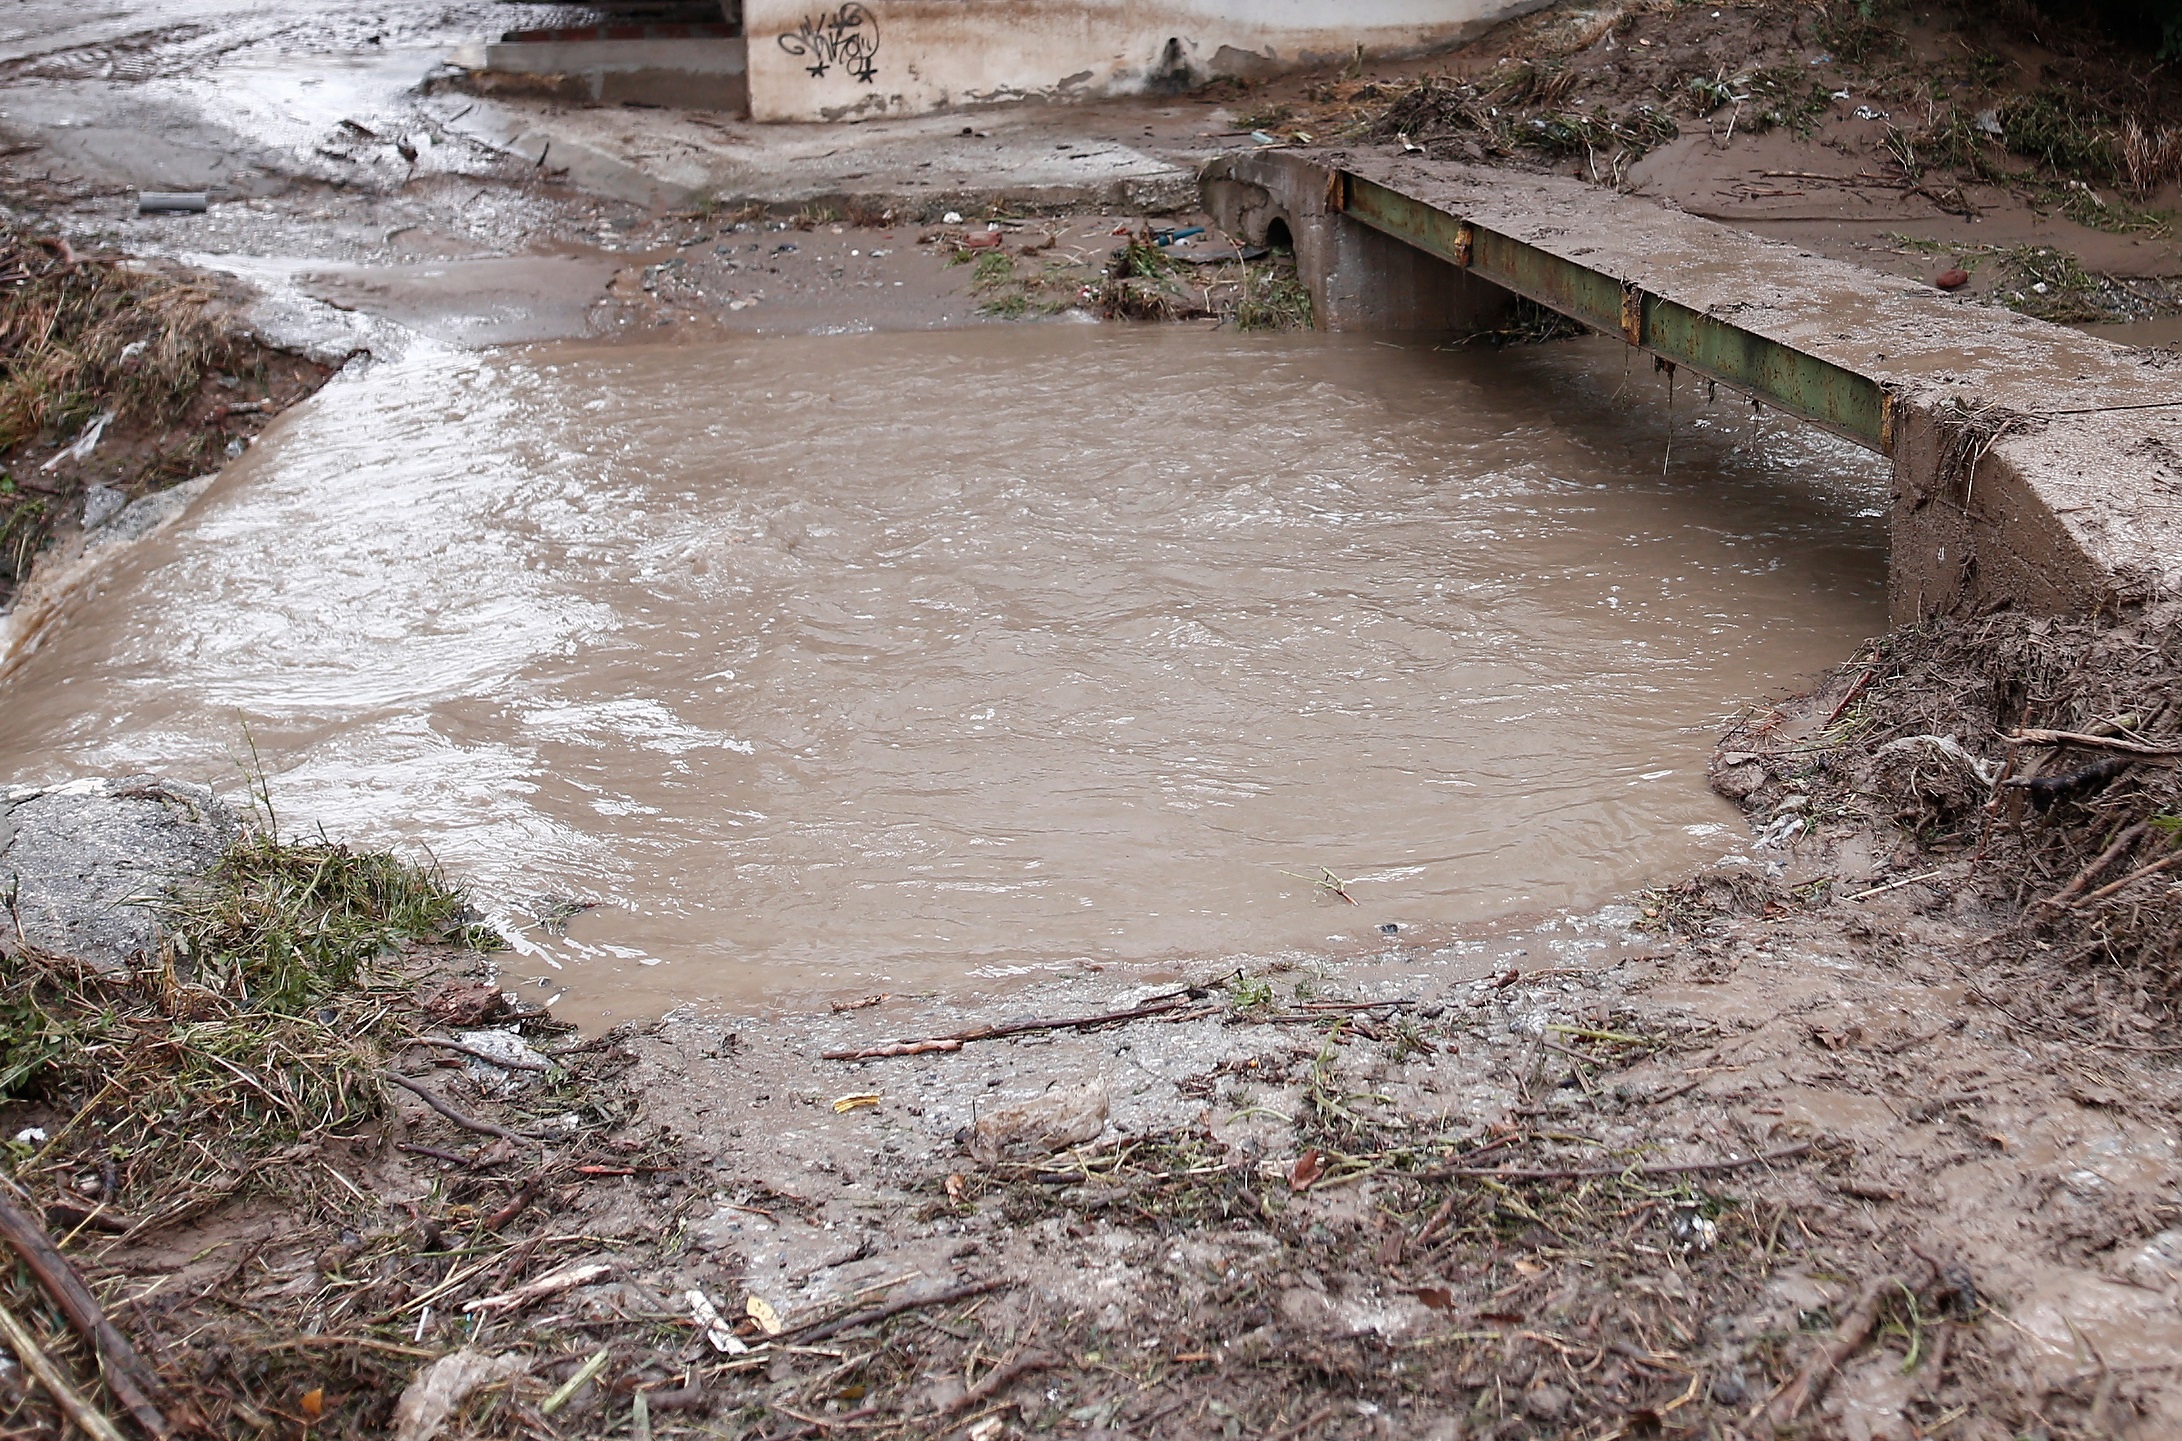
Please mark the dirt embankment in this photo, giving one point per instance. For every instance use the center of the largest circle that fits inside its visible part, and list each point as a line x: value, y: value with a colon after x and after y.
x: 2022, y: 147
x: 116, y: 382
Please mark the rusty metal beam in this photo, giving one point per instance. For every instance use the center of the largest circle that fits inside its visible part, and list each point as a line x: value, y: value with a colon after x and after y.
x: 1853, y: 406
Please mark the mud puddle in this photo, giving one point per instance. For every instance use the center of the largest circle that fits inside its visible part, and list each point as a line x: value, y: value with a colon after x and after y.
x: 879, y: 661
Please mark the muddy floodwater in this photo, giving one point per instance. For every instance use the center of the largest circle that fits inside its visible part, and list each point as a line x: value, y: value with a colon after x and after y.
x: 878, y: 661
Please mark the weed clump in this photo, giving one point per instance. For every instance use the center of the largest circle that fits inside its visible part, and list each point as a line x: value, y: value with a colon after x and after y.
x: 284, y: 924
x: 2037, y: 752
x: 1272, y: 298
x: 1144, y: 283
x: 164, y: 1092
x: 78, y: 337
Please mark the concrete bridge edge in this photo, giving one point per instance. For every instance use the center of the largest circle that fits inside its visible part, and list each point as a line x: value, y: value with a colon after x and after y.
x: 2025, y: 517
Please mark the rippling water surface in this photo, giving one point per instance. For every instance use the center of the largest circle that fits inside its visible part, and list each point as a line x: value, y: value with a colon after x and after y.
x: 884, y: 660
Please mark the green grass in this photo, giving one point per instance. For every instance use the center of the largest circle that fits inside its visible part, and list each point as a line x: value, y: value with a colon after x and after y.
x: 2064, y: 133
x: 1780, y: 97
x: 1272, y: 298
x: 2112, y: 214
x: 283, y: 924
x: 1856, y: 31
x: 2050, y: 284
x: 172, y: 1089
x: 1565, y: 135
x: 995, y: 268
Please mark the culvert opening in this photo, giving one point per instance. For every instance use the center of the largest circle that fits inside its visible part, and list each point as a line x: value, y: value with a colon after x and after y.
x: 889, y: 661
x: 1277, y: 236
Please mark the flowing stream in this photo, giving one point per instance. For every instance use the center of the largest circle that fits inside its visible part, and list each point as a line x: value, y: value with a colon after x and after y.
x: 881, y: 661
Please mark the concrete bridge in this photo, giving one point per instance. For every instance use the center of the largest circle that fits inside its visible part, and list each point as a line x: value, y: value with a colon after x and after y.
x: 2033, y: 465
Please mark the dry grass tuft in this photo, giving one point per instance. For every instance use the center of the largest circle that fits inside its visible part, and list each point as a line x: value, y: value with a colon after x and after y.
x: 79, y: 337
x: 2073, y: 850
x: 166, y: 1092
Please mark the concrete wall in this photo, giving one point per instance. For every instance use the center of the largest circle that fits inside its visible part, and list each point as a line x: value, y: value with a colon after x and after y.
x: 702, y: 73
x: 811, y: 60
x: 1359, y: 279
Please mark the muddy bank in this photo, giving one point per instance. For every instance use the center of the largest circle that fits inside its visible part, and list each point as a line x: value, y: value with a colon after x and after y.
x: 1818, y: 1142
x: 2026, y: 151
x: 118, y: 382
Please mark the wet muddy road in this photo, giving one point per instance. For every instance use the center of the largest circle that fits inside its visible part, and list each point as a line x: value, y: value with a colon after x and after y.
x: 877, y: 661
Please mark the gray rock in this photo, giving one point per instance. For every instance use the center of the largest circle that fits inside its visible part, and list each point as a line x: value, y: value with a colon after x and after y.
x: 140, y: 517
x: 102, y: 503
x: 85, y: 864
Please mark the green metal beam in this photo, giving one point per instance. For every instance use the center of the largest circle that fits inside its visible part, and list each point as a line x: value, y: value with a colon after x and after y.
x: 1850, y: 405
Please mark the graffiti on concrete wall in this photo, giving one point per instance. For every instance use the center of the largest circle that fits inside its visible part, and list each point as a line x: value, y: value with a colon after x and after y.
x: 847, y: 37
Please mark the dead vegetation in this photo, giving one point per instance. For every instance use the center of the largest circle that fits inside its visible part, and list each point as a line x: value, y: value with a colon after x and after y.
x: 2033, y: 762
x: 1384, y: 1271
x: 108, y: 367
x: 136, y: 1103
x: 1143, y: 281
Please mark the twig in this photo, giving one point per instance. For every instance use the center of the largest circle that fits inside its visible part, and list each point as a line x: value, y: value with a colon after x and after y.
x: 820, y: 1330
x: 1573, y: 1173
x: 364, y: 1343
x: 898, y: 1048
x: 87, y: 1418
x: 1348, y: 1005
x: 2107, y: 857
x: 1000, y: 1379
x: 1895, y: 885
x: 1308, y: 1425
x: 2164, y: 863
x: 1811, y: 1379
x: 518, y: 1203
x: 1850, y: 698
x: 2117, y: 744
x: 1438, y: 1222
x: 134, y: 1382
x: 467, y: 1123
x: 1157, y: 1005
x: 454, y: 1158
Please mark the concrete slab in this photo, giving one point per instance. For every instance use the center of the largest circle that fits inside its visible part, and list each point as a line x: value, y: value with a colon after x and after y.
x: 654, y: 156
x: 2034, y: 465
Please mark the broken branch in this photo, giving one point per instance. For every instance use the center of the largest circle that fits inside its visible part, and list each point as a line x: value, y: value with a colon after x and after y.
x: 1818, y: 1369
x: 505, y: 1063
x: 1001, y: 1378
x: 2116, y: 744
x: 820, y: 1330
x: 88, y: 1418
x: 1156, y: 1006
x: 467, y: 1123
x: 2165, y: 863
x: 132, y: 1380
